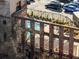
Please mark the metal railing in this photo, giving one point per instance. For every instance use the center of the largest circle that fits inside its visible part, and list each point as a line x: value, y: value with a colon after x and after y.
x: 22, y: 30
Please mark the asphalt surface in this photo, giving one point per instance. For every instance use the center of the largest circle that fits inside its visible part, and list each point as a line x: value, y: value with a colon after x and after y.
x: 41, y: 7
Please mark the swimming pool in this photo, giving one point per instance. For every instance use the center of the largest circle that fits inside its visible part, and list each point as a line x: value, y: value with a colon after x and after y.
x: 36, y: 25
x: 28, y: 25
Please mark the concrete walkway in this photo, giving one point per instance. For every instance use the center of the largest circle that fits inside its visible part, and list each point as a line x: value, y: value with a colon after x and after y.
x: 41, y: 7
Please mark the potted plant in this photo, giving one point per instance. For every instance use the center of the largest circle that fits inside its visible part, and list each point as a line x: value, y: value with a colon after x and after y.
x: 28, y: 15
x: 36, y: 17
x: 40, y: 17
x: 31, y: 14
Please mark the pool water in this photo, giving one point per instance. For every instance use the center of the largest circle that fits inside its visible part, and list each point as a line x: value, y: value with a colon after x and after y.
x: 28, y: 25
x: 36, y: 25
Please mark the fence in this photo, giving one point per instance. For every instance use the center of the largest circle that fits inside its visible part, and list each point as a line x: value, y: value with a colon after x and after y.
x: 29, y: 30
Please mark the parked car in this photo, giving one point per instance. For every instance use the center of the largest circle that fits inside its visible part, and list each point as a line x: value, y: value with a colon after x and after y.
x: 65, y: 1
x: 71, y: 7
x: 28, y: 1
x: 77, y: 3
x: 54, y: 6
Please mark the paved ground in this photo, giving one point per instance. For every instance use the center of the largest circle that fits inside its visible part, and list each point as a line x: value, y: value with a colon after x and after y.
x: 41, y: 7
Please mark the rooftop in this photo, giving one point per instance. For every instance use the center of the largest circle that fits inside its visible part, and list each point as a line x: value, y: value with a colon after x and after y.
x: 76, y: 14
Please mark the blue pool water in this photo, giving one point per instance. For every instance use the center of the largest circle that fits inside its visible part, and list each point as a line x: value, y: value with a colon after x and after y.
x: 28, y: 34
x: 28, y: 25
x: 37, y: 25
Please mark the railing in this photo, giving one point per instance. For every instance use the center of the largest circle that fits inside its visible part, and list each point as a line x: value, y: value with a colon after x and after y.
x: 47, y: 41
x: 50, y: 32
